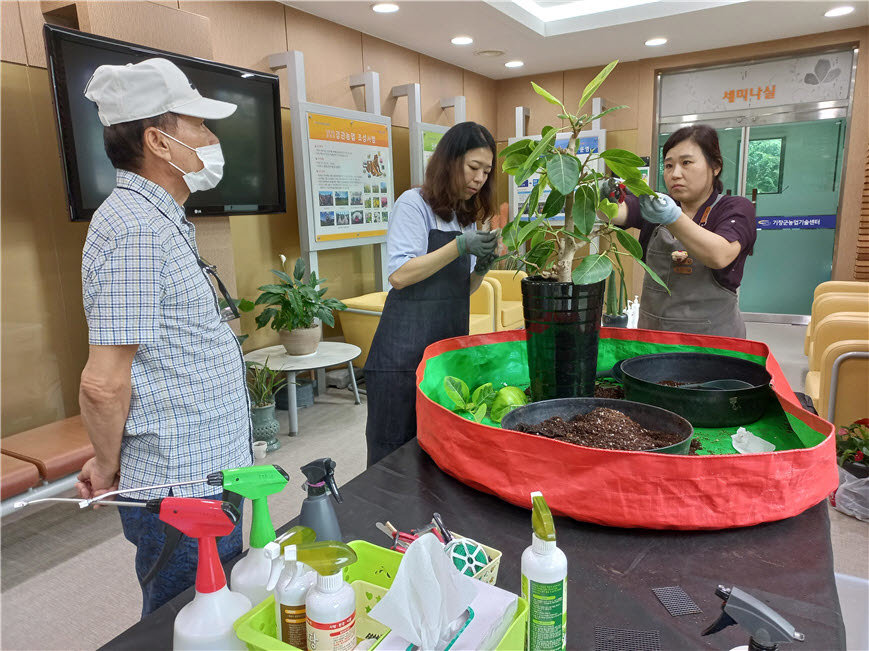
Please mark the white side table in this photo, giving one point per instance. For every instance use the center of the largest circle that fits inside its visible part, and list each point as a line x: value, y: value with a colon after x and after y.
x: 329, y: 353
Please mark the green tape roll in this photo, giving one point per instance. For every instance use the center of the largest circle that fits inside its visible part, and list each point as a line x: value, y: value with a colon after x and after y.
x: 468, y: 556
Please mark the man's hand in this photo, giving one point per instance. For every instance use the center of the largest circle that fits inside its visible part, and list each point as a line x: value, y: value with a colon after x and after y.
x: 94, y: 480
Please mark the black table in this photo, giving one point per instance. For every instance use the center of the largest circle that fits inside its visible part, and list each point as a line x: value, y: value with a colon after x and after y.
x: 787, y: 564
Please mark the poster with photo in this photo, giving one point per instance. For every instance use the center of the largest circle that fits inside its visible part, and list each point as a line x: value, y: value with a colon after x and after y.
x: 430, y: 140
x: 351, y: 177
x: 588, y: 144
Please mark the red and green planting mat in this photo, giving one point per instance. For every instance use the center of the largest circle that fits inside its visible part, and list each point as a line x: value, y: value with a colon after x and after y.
x: 717, y: 488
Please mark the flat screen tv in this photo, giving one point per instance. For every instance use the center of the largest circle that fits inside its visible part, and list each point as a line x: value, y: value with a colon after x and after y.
x: 253, y: 178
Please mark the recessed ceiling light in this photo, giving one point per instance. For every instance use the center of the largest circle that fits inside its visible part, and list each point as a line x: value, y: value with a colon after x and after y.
x: 514, y: 64
x: 489, y: 53
x: 839, y: 11
x: 385, y: 7
x: 462, y: 40
x: 653, y: 42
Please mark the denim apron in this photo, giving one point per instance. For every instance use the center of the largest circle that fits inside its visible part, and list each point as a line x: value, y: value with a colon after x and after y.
x: 697, y: 304
x: 435, y: 308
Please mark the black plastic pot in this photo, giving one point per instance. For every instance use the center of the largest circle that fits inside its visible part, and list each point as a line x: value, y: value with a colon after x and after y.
x: 562, y: 322
x: 615, y: 320
x: 702, y: 407
x: 648, y: 416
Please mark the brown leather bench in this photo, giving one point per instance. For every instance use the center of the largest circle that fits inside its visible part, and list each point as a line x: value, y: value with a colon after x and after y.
x: 16, y: 476
x: 56, y: 449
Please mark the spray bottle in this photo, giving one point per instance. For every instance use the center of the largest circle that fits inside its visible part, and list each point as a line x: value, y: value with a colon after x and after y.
x: 330, y: 606
x: 317, y: 511
x: 290, y: 580
x: 544, y: 582
x: 251, y: 574
x: 206, y: 622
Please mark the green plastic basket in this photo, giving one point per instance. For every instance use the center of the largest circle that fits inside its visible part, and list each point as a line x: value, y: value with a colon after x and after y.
x: 370, y: 576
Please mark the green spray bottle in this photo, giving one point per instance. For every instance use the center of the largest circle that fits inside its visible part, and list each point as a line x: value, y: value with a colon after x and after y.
x: 251, y: 574
x: 544, y: 582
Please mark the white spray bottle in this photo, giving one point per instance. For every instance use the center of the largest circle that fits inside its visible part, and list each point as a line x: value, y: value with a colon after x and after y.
x: 544, y: 582
x: 290, y: 580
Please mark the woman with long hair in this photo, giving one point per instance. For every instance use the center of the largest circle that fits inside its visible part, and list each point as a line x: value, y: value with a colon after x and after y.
x: 437, y: 258
x: 696, y: 239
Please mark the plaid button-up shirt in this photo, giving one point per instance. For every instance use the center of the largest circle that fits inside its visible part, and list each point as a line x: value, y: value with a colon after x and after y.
x: 142, y: 284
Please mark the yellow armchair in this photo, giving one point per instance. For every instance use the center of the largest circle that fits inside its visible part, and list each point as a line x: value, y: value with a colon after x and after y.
x: 508, y: 298
x: 360, y: 320
x: 845, y: 369
x: 831, y: 287
x: 483, y: 314
x: 833, y: 303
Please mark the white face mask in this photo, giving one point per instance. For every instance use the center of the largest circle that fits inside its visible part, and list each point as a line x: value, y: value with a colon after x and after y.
x: 211, y: 173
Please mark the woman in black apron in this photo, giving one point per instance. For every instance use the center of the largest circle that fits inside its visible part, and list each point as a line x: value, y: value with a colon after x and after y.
x: 432, y: 244
x: 696, y: 240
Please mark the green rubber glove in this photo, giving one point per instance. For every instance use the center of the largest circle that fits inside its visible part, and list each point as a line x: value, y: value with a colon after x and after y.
x: 478, y: 243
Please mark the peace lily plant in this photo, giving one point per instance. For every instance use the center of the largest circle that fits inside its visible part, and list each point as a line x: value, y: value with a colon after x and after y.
x: 548, y: 250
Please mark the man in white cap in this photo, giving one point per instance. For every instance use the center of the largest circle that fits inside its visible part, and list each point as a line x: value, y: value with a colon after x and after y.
x: 163, y: 394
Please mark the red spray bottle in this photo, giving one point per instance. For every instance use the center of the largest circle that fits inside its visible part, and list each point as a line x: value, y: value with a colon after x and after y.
x: 206, y: 622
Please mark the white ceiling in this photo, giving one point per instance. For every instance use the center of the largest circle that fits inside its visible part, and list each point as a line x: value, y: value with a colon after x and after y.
x: 427, y: 26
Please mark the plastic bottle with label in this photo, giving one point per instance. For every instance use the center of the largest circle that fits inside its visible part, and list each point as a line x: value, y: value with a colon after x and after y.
x: 544, y: 583
x: 290, y: 580
x: 330, y: 608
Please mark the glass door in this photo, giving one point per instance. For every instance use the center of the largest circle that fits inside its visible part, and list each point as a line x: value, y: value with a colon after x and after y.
x: 793, y: 173
x: 729, y: 139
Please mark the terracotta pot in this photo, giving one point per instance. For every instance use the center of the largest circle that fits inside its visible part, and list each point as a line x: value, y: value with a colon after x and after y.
x: 301, y: 341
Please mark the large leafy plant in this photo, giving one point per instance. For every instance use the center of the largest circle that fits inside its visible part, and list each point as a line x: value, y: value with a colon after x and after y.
x: 545, y: 249
x: 293, y: 302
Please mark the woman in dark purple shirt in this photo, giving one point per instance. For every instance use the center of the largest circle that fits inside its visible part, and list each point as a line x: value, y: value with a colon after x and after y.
x: 696, y: 239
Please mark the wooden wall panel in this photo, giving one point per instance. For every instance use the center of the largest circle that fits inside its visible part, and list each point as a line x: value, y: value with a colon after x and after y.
x: 619, y: 88
x: 31, y: 24
x: 44, y: 337
x: 518, y: 92
x: 396, y: 66
x: 479, y: 92
x: 400, y: 159
x: 244, y: 34
x: 438, y: 80
x: 12, y: 46
x: 332, y: 54
x: 154, y: 25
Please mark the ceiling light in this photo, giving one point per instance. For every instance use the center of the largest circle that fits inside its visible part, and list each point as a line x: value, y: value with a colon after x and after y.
x: 514, y: 64
x: 839, y: 11
x: 653, y: 42
x: 489, y: 53
x: 462, y: 40
x: 385, y: 7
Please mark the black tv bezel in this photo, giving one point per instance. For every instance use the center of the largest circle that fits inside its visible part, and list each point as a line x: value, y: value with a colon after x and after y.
x: 53, y: 34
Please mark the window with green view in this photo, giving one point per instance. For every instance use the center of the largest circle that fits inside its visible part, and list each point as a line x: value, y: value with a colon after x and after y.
x: 765, y: 160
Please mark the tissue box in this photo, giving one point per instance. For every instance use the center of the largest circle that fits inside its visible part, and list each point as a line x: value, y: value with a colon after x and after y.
x: 376, y: 567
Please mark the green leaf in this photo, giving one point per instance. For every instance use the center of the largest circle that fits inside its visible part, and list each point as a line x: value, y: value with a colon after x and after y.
x: 546, y: 130
x: 539, y: 255
x: 625, y: 172
x: 520, y: 146
x: 608, y: 208
x: 498, y: 414
x: 528, y: 230
x: 245, y: 305
x: 609, y: 110
x: 532, y: 201
x: 299, y: 270
x: 554, y: 204
x: 483, y: 395
x: 595, y: 83
x: 457, y: 391
x: 549, y: 97
x: 283, y: 276
x: 275, y: 289
x: 592, y: 269
x: 622, y: 157
x: 630, y: 243
x: 513, y: 162
x: 530, y: 165
x: 480, y: 413
x: 563, y: 172
x: 654, y: 276
x: 584, y: 204
x: 639, y: 187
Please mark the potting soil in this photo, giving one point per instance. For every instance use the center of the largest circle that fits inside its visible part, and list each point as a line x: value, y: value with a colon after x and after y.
x: 506, y: 363
x: 603, y: 428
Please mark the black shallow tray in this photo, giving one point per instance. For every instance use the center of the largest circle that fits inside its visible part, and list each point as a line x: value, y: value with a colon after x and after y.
x: 702, y: 407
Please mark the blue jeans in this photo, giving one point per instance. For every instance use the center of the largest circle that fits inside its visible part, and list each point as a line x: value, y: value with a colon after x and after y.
x: 145, y: 530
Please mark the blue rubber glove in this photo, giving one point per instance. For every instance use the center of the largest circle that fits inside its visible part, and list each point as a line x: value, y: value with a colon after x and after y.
x: 659, y: 210
x: 478, y: 243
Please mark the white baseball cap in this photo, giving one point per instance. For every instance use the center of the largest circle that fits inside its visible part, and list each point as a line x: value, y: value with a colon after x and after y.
x: 143, y: 90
